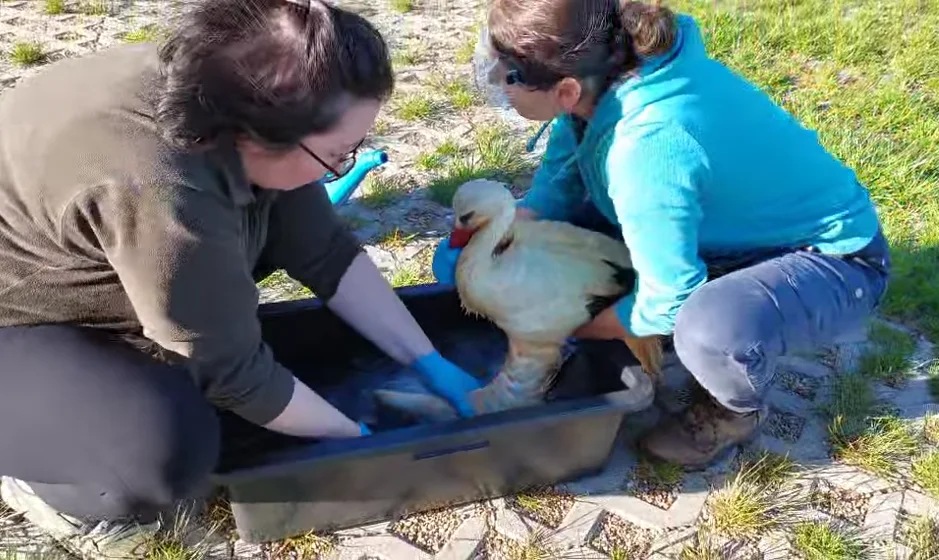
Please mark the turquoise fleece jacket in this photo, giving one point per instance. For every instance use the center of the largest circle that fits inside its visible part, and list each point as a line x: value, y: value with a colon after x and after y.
x: 693, y: 162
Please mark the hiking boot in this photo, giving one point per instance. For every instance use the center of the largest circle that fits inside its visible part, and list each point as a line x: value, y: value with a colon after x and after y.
x: 92, y: 540
x: 700, y: 435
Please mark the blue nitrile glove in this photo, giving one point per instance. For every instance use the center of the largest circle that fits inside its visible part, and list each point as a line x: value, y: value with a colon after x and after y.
x: 447, y: 380
x: 363, y: 429
x: 444, y: 263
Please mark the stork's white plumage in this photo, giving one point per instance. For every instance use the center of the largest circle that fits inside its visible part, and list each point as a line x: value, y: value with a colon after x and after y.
x: 538, y: 281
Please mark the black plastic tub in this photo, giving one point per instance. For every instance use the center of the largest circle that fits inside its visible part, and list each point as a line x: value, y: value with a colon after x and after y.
x: 282, y: 486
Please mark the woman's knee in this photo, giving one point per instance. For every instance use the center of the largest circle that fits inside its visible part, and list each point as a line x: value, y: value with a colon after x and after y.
x: 727, y: 334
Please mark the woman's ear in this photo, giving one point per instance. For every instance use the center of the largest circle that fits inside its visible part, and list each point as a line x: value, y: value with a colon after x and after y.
x: 568, y: 92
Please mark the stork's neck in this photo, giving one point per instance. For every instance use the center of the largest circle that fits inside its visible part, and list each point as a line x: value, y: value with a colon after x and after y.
x: 485, y: 240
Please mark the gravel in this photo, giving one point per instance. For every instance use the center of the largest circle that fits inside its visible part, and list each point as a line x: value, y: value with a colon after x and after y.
x: 546, y: 506
x: 799, y: 384
x: 842, y: 503
x: 430, y: 530
x: 785, y: 425
x: 616, y: 535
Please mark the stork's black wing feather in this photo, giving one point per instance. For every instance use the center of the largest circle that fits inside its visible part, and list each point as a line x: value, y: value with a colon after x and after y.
x: 625, y: 278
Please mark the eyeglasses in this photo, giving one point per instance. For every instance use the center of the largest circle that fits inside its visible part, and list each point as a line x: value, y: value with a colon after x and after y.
x: 345, y: 164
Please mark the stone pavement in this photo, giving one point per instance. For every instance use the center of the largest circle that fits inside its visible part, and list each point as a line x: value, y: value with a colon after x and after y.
x: 632, y: 509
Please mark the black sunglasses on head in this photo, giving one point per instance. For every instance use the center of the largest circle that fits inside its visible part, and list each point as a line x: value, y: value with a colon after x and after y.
x: 345, y: 164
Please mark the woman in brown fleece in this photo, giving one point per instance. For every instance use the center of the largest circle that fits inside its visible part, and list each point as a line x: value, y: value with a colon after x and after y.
x: 143, y: 192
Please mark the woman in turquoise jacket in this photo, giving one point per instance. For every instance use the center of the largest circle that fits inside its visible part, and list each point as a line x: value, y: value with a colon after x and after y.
x: 749, y: 239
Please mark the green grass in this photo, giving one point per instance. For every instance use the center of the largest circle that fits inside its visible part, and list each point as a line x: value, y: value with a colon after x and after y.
x: 460, y: 95
x: 379, y: 191
x: 28, y: 53
x: 448, y: 148
x: 428, y: 161
x: 382, y: 127
x: 409, y: 274
x: 767, y: 468
x: 889, y: 360
x: 284, y: 286
x: 415, y: 107
x: 877, y: 448
x: 95, y: 8
x: 882, y: 122
x: 818, y: 541
x: 926, y: 472
x: 54, y: 7
x: 309, y: 545
x: 663, y: 472
x: 752, y: 502
x: 933, y: 379
x: 922, y: 536
x: 464, y: 53
x: 146, y: 34
x: 414, y: 53
x: 496, y: 154
x: 402, y: 6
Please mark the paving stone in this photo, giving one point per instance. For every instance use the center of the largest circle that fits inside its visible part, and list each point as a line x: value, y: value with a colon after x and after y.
x: 684, y: 511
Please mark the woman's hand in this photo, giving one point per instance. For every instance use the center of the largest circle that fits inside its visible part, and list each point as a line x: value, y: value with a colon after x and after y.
x: 367, y: 302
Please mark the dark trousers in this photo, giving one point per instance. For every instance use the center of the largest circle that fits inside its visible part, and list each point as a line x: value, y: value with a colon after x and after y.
x: 98, y: 428
x: 101, y: 429
x: 759, y: 306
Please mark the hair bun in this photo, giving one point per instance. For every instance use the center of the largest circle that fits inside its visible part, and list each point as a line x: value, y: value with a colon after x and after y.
x: 650, y: 26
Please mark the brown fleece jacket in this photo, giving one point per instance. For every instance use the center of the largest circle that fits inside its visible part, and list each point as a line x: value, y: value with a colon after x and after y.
x: 104, y: 225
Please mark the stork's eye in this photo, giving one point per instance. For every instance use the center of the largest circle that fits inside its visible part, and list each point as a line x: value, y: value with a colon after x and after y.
x: 465, y: 218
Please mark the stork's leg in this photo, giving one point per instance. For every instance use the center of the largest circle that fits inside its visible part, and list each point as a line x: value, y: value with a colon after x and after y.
x: 523, y: 379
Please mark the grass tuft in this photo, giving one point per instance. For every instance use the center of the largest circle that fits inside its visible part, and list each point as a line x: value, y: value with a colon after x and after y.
x: 751, y: 503
x: 933, y: 379
x: 379, y: 191
x: 54, y: 7
x: 926, y: 472
x: 889, y: 361
x: 402, y: 6
x: 394, y: 239
x: 429, y: 161
x: 409, y: 274
x: 415, y: 107
x: 95, y: 8
x: 382, y: 127
x: 464, y: 53
x: 28, y: 53
x: 497, y: 154
x: 931, y: 428
x: 310, y: 545
x: 443, y: 187
x: 146, y: 34
x: 767, y: 468
x: 413, y: 53
x: 817, y: 541
x: 877, y: 448
x: 922, y: 537
x: 460, y: 95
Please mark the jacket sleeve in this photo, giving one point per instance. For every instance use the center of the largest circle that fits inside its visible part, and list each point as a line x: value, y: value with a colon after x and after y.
x: 308, y: 239
x: 655, y: 175
x: 179, y: 255
x: 557, y: 187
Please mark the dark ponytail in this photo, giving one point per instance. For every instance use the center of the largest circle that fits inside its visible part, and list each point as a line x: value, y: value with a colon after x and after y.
x: 596, y: 41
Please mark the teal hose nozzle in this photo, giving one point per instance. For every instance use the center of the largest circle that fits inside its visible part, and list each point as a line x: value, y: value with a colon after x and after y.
x: 342, y: 188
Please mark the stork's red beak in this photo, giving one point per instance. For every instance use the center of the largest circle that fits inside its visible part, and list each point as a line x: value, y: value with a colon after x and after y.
x: 460, y: 237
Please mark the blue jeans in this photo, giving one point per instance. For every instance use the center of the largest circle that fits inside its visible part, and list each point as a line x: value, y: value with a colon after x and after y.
x: 758, y: 307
